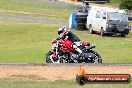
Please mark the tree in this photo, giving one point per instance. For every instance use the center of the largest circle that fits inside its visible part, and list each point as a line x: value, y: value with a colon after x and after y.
x: 126, y: 4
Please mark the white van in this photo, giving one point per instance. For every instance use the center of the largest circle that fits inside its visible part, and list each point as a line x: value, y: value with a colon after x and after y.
x: 107, y: 20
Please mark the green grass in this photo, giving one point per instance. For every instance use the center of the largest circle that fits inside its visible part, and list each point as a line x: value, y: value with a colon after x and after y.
x: 22, y: 41
x: 43, y: 7
x: 57, y: 84
x: 25, y: 41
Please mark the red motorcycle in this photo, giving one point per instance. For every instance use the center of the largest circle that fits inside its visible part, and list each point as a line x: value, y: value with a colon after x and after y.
x: 62, y: 52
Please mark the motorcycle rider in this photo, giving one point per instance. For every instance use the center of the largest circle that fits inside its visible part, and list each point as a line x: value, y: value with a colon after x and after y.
x: 67, y: 34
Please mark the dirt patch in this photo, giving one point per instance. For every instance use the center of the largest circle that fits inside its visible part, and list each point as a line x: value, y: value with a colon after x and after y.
x: 51, y: 73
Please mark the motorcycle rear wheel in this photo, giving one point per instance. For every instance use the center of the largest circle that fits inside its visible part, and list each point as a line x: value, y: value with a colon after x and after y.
x: 97, y: 58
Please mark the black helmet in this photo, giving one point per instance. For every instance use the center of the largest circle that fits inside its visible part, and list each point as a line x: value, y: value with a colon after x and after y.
x: 61, y: 30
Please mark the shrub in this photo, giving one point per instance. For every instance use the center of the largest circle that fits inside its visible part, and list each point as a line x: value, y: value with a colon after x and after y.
x: 126, y: 4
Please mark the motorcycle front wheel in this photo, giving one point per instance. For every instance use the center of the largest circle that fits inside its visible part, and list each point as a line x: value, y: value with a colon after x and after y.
x: 48, y: 60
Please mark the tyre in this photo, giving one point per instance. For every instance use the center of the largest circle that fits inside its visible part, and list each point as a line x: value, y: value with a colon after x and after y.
x: 122, y: 35
x: 97, y: 58
x: 48, y: 60
x: 102, y: 32
x: 81, y: 17
x: 80, y: 26
x: 80, y: 21
x: 121, y: 26
x: 81, y: 80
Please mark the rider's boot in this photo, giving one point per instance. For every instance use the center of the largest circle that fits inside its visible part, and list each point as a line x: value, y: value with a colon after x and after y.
x: 77, y: 49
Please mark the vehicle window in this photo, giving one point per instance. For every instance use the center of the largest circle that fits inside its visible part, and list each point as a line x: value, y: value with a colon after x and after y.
x: 98, y: 14
x: 117, y: 16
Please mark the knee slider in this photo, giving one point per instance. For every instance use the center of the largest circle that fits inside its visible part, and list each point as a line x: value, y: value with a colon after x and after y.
x: 74, y: 46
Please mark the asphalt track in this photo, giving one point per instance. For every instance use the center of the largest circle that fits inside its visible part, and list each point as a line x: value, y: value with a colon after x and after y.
x: 34, y: 19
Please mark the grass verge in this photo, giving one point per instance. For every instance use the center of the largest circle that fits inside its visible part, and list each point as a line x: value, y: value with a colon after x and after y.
x: 25, y: 41
x: 56, y: 84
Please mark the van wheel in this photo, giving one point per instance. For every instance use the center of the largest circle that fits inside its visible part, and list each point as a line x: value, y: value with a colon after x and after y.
x: 122, y: 35
x: 102, y: 32
x: 91, y: 29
